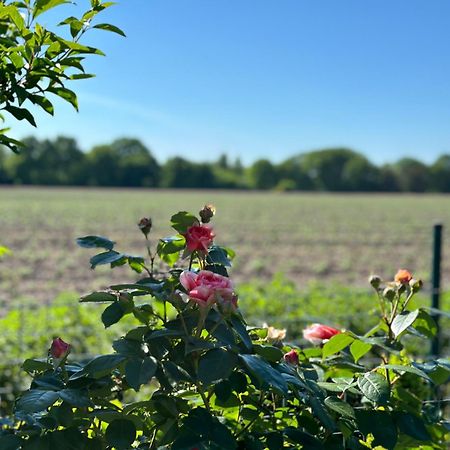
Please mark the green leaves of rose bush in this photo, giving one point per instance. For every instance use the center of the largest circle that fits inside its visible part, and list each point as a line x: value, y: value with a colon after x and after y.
x: 212, y: 382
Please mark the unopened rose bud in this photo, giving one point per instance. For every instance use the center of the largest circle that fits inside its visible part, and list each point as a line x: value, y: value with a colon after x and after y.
x: 415, y: 285
x: 375, y: 281
x: 403, y: 276
x: 291, y: 357
x: 145, y: 225
x: 207, y: 213
x: 59, y: 349
x: 389, y: 293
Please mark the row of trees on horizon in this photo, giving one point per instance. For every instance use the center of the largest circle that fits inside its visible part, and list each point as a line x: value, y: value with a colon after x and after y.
x: 129, y: 163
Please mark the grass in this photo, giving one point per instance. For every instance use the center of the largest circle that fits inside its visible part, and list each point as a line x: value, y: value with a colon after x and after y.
x: 321, y: 238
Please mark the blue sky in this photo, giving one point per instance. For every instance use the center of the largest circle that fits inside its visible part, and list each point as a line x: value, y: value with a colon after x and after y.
x: 266, y: 78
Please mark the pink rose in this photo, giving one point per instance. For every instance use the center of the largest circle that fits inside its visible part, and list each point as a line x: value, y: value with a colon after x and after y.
x: 59, y: 349
x: 199, y: 237
x: 403, y: 276
x: 291, y: 357
x: 318, y: 333
x: 206, y: 288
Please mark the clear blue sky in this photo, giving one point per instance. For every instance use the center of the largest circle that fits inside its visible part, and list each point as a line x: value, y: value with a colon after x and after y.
x: 267, y: 78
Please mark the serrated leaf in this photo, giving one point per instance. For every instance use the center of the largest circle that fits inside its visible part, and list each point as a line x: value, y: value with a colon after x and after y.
x: 409, y: 369
x: 374, y: 387
x: 182, y: 221
x: 403, y: 321
x: 108, y: 257
x: 103, y: 365
x: 112, y: 314
x: 339, y: 406
x: 98, y: 297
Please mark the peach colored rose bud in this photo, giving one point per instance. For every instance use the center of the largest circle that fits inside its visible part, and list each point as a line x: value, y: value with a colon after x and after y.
x: 274, y: 335
x: 59, y: 349
x: 199, y: 238
x: 291, y: 357
x: 145, y: 225
x: 207, y: 213
x: 318, y: 333
x: 375, y: 281
x: 403, y: 276
x: 389, y: 293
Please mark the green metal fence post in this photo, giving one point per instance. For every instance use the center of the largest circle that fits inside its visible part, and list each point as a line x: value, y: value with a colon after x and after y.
x: 436, y: 284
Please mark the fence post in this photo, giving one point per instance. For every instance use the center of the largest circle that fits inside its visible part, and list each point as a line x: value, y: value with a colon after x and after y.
x: 436, y: 285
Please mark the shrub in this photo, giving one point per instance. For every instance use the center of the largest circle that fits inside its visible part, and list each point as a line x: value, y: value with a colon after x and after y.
x: 216, y: 383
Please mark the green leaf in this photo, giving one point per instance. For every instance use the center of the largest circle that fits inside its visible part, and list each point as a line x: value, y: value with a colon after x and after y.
x: 409, y: 369
x: 76, y: 397
x: 265, y: 373
x: 109, y: 257
x: 218, y: 255
x: 425, y: 324
x: 103, y: 365
x: 374, y: 387
x: 359, y: 348
x: 121, y: 434
x: 140, y: 371
x: 99, y: 297
x: 44, y: 103
x: 108, y: 27
x: 21, y: 114
x: 268, y: 352
x: 66, y: 94
x: 44, y: 5
x: 112, y: 314
x: 241, y: 329
x: 32, y: 365
x: 337, y: 343
x: 182, y: 221
x: 403, y: 321
x: 95, y: 242
x: 339, y: 406
x: 36, y: 400
x: 216, y: 364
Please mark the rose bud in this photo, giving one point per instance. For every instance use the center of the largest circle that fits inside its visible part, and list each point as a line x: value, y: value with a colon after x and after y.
x: 207, y: 213
x: 415, y: 285
x: 274, y: 334
x: 389, y: 293
x: 318, y: 333
x: 199, y: 238
x: 291, y: 357
x: 145, y: 225
x: 59, y: 349
x: 375, y: 281
x: 403, y: 276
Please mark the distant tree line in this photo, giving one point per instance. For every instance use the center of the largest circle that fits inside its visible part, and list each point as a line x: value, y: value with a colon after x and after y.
x: 129, y: 163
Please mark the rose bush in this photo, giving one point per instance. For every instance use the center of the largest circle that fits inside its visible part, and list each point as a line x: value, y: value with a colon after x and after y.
x: 210, y: 381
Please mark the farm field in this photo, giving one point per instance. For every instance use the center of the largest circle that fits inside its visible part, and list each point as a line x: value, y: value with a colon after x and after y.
x: 325, y: 238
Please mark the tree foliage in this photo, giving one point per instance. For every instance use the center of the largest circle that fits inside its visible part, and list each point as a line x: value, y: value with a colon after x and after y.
x: 36, y: 63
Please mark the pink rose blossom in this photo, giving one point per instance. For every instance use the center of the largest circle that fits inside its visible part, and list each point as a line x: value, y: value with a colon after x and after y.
x: 291, y: 357
x: 59, y: 349
x: 206, y: 288
x: 318, y: 333
x: 199, y: 238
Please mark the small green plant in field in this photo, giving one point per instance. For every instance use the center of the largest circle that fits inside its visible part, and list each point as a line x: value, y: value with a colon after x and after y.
x: 213, y: 381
